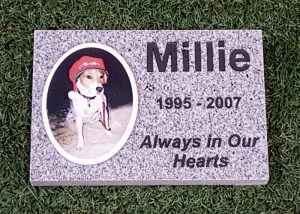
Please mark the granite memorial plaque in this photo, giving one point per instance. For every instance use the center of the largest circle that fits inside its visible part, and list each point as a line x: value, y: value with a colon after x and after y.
x: 113, y: 107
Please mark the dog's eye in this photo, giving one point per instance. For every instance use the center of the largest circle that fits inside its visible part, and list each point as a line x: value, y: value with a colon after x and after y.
x: 101, y: 77
x: 89, y: 77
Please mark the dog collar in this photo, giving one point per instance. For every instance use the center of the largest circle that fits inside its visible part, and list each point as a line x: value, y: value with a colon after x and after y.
x: 86, y: 97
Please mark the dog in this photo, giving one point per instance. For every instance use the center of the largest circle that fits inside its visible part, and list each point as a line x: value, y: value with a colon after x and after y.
x: 88, y: 102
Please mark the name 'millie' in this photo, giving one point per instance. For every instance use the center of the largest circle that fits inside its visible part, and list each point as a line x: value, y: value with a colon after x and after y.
x: 239, y: 59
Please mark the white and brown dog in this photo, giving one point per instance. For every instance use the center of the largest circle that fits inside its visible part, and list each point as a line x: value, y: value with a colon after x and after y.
x: 88, y: 102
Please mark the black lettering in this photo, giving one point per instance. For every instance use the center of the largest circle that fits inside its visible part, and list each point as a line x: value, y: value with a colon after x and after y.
x: 224, y: 162
x: 200, y: 162
x: 208, y: 162
x: 221, y: 56
x: 186, y: 144
x: 216, y: 159
x: 155, y: 141
x: 171, y: 50
x: 176, y: 143
x: 196, y: 142
x: 218, y: 141
x: 231, y: 139
x: 165, y: 143
x: 186, y: 56
x: 209, y: 141
x: 233, y: 59
x: 246, y: 142
x: 210, y: 56
x: 146, y: 142
x: 181, y: 161
x: 255, y: 141
x: 190, y: 162
x: 197, y: 56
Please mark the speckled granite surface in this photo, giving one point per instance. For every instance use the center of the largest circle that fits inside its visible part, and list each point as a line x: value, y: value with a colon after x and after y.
x: 134, y: 165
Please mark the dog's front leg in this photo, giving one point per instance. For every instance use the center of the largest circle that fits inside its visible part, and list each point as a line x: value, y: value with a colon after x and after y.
x: 106, y: 125
x: 79, y: 126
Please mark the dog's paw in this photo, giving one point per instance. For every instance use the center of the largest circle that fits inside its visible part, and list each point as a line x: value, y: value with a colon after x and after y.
x: 108, y: 134
x: 79, y: 146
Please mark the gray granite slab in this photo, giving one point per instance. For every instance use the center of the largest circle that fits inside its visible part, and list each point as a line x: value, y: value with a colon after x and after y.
x: 236, y: 115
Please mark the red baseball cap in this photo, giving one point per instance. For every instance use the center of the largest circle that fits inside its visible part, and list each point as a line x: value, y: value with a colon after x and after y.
x: 85, y: 62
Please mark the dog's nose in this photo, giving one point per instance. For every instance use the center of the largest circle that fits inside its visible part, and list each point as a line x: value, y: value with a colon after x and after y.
x: 99, y: 89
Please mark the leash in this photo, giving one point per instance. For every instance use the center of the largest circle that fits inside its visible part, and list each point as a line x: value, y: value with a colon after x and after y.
x: 86, y: 97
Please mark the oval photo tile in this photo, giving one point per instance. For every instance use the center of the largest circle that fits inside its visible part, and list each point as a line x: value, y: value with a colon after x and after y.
x: 89, y: 103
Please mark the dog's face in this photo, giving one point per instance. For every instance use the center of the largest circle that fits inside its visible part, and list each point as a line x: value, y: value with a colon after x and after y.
x: 93, y: 80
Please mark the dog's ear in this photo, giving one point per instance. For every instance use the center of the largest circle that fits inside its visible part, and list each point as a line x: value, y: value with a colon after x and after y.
x: 103, y: 77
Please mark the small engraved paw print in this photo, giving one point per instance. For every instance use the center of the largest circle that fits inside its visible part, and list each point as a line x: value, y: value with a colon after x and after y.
x: 150, y: 87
